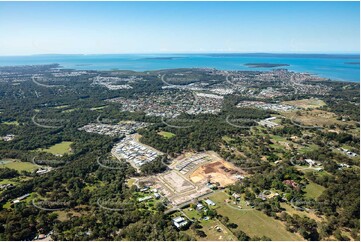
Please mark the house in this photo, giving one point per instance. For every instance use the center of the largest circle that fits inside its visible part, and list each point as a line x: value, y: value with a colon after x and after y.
x: 144, y: 198
x: 179, y: 222
x: 271, y: 118
x: 239, y: 177
x: 21, y: 198
x: 144, y: 189
x: 212, y: 186
x: 236, y: 196
x: 6, y: 186
x: 156, y: 195
x: 210, y: 202
x: 351, y: 153
x: 262, y: 196
x: 290, y: 183
x: 42, y: 171
x: 8, y: 137
x: 343, y: 165
x: 219, y: 229
x: 199, y: 206
x: 310, y: 162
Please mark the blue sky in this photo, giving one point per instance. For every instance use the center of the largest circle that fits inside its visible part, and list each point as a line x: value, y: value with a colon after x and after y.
x: 178, y: 27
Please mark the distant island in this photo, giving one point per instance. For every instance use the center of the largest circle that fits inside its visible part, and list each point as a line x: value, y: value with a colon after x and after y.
x: 162, y: 58
x: 264, y: 65
x: 83, y: 64
x: 352, y: 63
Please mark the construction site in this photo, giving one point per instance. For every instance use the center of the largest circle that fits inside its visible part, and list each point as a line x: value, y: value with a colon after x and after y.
x: 193, y: 175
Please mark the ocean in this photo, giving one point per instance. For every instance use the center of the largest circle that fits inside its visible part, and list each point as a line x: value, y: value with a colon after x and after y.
x: 341, y: 67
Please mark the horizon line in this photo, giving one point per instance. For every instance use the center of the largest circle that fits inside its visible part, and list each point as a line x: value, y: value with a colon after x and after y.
x: 187, y: 53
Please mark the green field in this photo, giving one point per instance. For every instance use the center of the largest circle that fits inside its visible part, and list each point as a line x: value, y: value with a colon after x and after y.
x: 314, y: 190
x: 227, y: 138
x: 15, y: 180
x: 98, y: 108
x: 309, y: 148
x: 27, y: 200
x: 253, y: 222
x: 17, y: 165
x: 166, y: 135
x: 16, y: 123
x: 292, y: 211
x: 58, y: 149
x: 306, y: 103
x: 208, y: 227
x: 131, y: 181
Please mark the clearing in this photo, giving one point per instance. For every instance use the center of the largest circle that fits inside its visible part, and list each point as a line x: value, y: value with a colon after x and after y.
x: 209, y: 227
x: 98, y: 108
x: 306, y: 103
x: 314, y: 190
x: 253, y: 222
x: 17, y: 165
x: 166, y: 135
x: 15, y: 123
x: 292, y: 211
x: 315, y: 118
x: 59, y: 149
x: 219, y: 171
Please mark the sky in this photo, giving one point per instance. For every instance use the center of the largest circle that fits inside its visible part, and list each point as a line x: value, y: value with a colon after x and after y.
x: 178, y: 27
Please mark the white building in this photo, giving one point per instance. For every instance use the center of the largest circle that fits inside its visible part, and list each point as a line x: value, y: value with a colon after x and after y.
x: 210, y: 202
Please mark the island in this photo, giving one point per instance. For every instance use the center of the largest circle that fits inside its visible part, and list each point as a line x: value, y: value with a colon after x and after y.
x: 264, y: 65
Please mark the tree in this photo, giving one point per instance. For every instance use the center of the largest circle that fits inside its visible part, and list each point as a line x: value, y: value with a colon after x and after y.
x: 242, y: 236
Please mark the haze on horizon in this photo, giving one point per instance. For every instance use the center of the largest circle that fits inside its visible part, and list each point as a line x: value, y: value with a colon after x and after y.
x: 178, y: 27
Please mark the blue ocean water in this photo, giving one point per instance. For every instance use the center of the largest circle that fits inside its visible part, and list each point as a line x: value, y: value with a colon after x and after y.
x: 343, y: 67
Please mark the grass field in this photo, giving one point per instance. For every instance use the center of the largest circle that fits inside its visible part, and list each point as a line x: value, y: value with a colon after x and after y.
x: 208, y: 227
x: 15, y: 123
x: 166, y: 135
x: 32, y: 196
x: 313, y: 190
x: 59, y: 149
x: 292, y: 211
x: 131, y: 181
x: 309, y: 148
x: 315, y: 118
x: 306, y: 103
x: 227, y: 138
x: 98, y: 108
x: 253, y: 222
x: 17, y: 165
